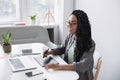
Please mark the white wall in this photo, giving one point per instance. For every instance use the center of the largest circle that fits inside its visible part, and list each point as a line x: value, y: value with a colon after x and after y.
x: 63, y: 11
x: 68, y: 8
x: 105, y: 20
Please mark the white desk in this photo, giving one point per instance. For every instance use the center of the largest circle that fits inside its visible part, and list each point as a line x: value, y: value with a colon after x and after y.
x: 7, y: 74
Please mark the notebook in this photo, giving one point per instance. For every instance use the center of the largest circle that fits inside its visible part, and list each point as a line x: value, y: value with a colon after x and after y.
x: 21, y: 63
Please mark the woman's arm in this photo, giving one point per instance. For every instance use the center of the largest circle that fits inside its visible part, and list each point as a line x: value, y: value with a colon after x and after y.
x: 66, y: 67
x: 60, y: 67
x: 80, y: 66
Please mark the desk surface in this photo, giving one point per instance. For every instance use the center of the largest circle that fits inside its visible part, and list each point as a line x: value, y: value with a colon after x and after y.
x: 7, y: 74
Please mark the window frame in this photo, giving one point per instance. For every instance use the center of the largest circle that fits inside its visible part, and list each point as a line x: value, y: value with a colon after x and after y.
x: 23, y: 12
x: 13, y: 19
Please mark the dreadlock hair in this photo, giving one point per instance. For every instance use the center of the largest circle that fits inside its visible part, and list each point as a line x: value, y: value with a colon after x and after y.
x: 83, y: 33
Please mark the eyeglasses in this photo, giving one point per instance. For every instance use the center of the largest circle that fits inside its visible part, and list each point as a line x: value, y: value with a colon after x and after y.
x: 68, y: 23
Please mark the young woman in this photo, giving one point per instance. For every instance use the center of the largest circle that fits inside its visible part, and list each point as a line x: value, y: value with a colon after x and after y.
x: 78, y: 48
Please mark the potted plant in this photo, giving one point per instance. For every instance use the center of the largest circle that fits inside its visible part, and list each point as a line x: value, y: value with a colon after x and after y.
x: 33, y: 18
x: 6, y: 42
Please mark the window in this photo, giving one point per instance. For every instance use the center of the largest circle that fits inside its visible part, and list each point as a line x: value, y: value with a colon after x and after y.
x: 40, y: 7
x: 20, y: 10
x: 9, y: 11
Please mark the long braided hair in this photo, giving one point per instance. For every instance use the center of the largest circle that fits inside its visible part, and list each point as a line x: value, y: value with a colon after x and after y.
x: 83, y: 33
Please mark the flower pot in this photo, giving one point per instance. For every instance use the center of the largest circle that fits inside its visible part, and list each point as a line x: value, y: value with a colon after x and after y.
x: 33, y: 22
x: 7, y: 48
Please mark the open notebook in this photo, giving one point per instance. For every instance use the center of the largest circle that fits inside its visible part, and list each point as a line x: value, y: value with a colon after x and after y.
x: 21, y: 63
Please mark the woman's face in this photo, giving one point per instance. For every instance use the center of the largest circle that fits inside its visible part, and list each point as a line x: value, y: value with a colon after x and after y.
x: 72, y: 24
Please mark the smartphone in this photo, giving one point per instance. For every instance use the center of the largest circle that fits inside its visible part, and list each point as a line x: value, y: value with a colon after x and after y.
x: 33, y: 73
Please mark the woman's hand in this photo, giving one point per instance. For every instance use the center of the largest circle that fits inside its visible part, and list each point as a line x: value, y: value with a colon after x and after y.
x: 53, y: 66
x: 47, y: 52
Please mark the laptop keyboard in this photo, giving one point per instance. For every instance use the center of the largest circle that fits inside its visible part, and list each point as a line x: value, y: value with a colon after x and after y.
x: 16, y: 63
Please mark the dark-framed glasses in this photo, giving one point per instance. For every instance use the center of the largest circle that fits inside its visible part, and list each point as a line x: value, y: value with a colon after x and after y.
x: 71, y: 23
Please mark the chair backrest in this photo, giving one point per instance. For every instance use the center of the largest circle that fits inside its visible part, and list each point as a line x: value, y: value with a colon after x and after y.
x: 26, y: 34
x: 97, y: 64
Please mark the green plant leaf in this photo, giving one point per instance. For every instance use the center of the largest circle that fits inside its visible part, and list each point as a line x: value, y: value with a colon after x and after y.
x: 3, y: 38
x: 33, y: 17
x: 9, y: 37
x: 6, y: 38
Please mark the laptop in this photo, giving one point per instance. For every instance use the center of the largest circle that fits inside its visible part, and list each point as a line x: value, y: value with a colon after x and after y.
x: 21, y: 63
